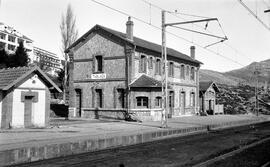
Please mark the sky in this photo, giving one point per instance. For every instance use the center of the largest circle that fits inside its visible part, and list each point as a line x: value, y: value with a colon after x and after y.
x: 248, y: 40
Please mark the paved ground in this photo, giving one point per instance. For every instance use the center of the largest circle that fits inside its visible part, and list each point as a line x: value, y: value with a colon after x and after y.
x: 178, y: 151
x: 75, y: 129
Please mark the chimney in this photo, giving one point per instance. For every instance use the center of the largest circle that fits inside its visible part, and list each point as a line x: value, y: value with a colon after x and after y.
x: 192, y: 52
x: 129, y: 30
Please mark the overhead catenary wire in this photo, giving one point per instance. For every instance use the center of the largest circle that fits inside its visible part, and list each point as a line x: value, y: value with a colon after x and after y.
x: 224, y: 42
x: 253, y: 14
x: 175, y: 35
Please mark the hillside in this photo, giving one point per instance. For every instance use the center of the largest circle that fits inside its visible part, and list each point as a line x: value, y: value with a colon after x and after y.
x: 243, y: 76
x: 219, y: 78
x: 247, y: 73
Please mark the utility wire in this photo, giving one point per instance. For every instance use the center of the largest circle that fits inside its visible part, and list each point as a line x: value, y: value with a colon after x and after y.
x: 253, y: 14
x: 177, y: 36
x: 177, y: 16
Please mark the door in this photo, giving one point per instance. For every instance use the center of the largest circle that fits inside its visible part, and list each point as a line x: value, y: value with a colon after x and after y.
x: 78, y: 102
x: 171, y: 104
x: 28, y: 111
x: 182, y: 103
x: 210, y: 107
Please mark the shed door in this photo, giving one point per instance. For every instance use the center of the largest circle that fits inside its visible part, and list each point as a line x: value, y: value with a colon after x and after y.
x: 28, y: 111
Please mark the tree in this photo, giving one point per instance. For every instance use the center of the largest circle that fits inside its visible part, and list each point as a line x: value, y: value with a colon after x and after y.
x: 3, y: 58
x: 20, y: 58
x: 69, y: 34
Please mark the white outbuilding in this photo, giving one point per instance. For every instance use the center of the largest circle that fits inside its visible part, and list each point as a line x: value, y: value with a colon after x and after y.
x: 25, y: 97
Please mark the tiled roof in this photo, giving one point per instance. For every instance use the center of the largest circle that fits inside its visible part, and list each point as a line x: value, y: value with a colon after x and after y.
x: 150, y: 45
x: 11, y: 76
x: 145, y: 81
x: 204, y: 85
x: 139, y: 43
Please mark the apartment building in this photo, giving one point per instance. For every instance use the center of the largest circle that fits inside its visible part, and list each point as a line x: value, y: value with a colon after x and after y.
x: 10, y: 39
x: 112, y: 73
x: 47, y: 61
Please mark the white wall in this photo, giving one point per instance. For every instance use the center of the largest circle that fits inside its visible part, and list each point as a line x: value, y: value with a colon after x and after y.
x: 38, y: 109
x: 17, y: 120
x: 1, y: 99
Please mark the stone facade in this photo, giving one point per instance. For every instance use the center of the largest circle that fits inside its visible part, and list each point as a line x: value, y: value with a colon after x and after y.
x: 84, y: 82
x: 104, y: 64
x: 207, y: 96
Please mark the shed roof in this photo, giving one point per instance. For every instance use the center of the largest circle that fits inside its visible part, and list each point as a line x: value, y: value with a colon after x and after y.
x: 11, y: 77
x: 204, y: 85
x: 138, y: 42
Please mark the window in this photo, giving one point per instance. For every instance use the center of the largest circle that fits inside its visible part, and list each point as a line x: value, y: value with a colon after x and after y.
x: 11, y: 47
x: 11, y: 38
x: 120, y: 98
x: 158, y: 66
x: 2, y: 45
x: 171, y: 70
x: 192, y: 74
x: 187, y: 71
x: 2, y: 36
x: 182, y: 72
x: 99, y: 98
x: 151, y: 63
x: 192, y: 99
x: 20, y: 40
x: 99, y: 64
x: 142, y: 102
x: 158, y: 102
x: 142, y: 64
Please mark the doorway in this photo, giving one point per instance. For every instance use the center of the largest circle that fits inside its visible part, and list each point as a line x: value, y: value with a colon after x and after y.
x: 171, y: 104
x: 182, y: 103
x: 78, y: 102
x: 28, y: 105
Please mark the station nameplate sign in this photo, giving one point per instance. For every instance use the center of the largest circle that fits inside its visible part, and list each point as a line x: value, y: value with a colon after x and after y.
x: 98, y: 76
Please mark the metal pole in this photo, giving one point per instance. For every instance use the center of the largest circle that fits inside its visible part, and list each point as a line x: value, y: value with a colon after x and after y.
x: 164, y: 72
x: 257, y: 104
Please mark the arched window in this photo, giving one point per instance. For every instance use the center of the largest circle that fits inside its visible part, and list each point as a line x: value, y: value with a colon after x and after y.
x: 192, y: 74
x: 143, y: 64
x: 192, y: 99
x: 158, y: 67
x: 158, y: 101
x: 182, y: 73
x: 171, y: 69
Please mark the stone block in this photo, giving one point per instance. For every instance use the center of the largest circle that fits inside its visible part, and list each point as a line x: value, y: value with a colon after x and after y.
x: 92, y: 145
x: 37, y: 153
x: 139, y: 138
x: 23, y: 155
x: 101, y: 144
x: 110, y: 142
x: 154, y: 135
x: 147, y: 137
x: 125, y: 140
x: 132, y: 139
x: 51, y: 151
x: 7, y: 157
x: 65, y: 149
x: 165, y: 133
